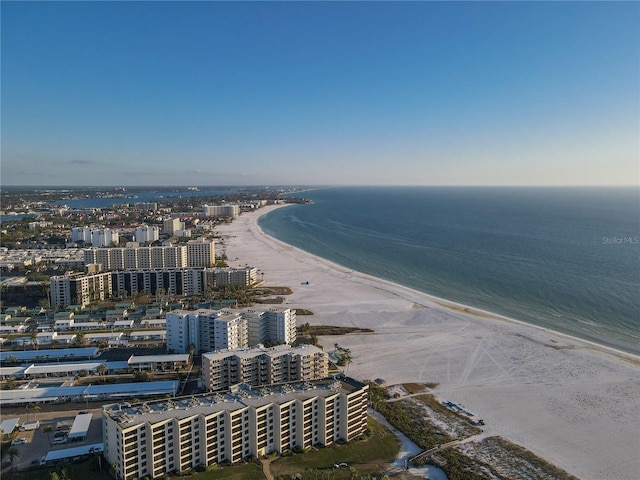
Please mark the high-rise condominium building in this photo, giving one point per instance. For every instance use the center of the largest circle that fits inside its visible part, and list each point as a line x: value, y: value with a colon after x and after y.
x: 172, y: 225
x: 258, y: 366
x: 147, y: 233
x: 232, y: 211
x: 209, y: 330
x: 196, y: 253
x: 79, y: 288
x: 154, y: 438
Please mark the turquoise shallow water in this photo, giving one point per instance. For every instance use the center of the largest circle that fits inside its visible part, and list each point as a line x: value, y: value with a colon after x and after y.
x: 562, y: 258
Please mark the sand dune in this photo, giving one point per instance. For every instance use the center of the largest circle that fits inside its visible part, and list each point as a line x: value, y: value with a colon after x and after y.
x: 571, y: 402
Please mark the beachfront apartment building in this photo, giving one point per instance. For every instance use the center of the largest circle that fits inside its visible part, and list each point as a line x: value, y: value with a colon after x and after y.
x: 258, y: 366
x: 201, y: 253
x: 194, y: 254
x: 82, y: 289
x: 231, y: 211
x: 221, y: 277
x: 154, y: 438
x: 209, y: 330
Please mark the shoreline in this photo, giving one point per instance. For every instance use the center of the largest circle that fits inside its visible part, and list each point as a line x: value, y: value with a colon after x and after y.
x: 570, y: 401
x: 396, y: 288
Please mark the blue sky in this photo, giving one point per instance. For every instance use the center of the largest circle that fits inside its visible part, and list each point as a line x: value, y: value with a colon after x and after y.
x: 250, y: 93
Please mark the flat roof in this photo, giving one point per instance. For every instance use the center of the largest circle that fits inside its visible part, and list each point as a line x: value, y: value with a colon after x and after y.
x: 34, y: 395
x: 22, y: 355
x: 7, y: 371
x: 103, y: 335
x: 73, y: 452
x: 148, y: 332
x: 38, y: 369
x: 130, y: 415
x: 174, y: 357
x: 7, y: 426
x: 80, y: 425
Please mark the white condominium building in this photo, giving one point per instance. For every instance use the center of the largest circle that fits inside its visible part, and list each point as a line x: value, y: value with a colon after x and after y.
x: 196, y: 253
x: 209, y: 330
x: 206, y: 330
x: 80, y: 289
x: 220, y: 277
x: 98, y: 238
x: 154, y: 438
x: 147, y: 233
x: 172, y: 225
x: 232, y: 211
x: 258, y: 366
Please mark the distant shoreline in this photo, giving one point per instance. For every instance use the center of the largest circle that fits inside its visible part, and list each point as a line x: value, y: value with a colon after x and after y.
x: 397, y: 288
x: 533, y: 386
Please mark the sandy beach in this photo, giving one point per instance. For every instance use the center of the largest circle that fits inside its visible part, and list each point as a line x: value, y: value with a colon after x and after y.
x: 572, y: 402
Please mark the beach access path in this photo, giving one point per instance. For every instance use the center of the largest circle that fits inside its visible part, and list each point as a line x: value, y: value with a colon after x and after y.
x: 573, y: 403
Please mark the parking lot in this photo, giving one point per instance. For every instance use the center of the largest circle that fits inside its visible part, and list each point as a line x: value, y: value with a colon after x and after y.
x: 38, y: 443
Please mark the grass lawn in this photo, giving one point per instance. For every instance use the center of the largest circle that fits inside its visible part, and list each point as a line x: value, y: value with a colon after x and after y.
x: 370, y: 456
x: 77, y: 471
x: 250, y: 471
x: 84, y: 471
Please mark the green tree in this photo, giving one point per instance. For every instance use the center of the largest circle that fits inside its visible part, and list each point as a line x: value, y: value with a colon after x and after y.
x: 48, y: 429
x: 36, y: 410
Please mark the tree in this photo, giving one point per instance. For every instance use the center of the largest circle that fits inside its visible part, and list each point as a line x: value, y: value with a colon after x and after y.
x: 36, y: 410
x: 79, y: 338
x: 48, y: 429
x: 192, y: 350
x: 102, y: 369
x: 13, y: 453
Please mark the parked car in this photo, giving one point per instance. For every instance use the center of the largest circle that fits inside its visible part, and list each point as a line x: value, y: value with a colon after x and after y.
x: 60, y: 440
x: 19, y: 441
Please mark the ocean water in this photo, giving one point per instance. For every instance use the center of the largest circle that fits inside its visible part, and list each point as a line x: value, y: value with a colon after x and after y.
x: 561, y: 258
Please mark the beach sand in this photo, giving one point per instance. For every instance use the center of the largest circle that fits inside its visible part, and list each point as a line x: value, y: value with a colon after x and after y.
x: 571, y: 402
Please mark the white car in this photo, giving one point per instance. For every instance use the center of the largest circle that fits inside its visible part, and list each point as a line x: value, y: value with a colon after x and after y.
x: 58, y: 441
x: 19, y: 441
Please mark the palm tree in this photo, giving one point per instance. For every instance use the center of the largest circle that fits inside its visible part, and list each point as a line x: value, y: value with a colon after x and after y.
x: 48, y: 429
x: 13, y: 453
x: 36, y: 409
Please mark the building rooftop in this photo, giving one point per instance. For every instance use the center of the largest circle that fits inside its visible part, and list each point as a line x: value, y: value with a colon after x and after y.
x: 242, y: 396
x: 51, y: 353
x: 254, y: 351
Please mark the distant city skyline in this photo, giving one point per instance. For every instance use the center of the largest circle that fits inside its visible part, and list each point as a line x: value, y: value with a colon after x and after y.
x: 309, y: 93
